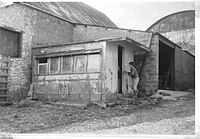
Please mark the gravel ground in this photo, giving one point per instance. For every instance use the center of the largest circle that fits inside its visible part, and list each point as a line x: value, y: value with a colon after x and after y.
x: 171, y: 118
x: 175, y: 126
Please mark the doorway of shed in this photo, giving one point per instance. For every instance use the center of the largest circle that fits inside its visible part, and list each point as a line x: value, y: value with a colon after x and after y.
x: 166, y: 67
x: 120, y: 52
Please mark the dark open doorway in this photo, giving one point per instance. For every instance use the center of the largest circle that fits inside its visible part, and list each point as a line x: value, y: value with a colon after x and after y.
x: 166, y: 66
x: 120, y: 52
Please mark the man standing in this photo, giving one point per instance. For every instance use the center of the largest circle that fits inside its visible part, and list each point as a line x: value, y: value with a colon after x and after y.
x: 135, y: 78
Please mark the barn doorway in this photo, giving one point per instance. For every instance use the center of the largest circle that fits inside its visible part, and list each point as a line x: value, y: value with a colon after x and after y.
x: 120, y: 53
x: 166, y: 66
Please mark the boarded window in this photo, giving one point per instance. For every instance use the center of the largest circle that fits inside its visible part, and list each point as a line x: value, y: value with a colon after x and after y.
x: 80, y: 63
x: 55, y: 65
x: 67, y: 64
x: 10, y: 41
x: 42, y: 66
x: 94, y: 63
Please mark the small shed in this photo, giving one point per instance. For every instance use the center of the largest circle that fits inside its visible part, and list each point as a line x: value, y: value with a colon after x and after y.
x: 83, y: 71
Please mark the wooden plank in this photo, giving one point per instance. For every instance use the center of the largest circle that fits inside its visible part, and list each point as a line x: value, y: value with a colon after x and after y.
x: 3, y: 89
x: 4, y: 82
x: 3, y: 75
x: 4, y: 65
x: 3, y: 96
x: 4, y: 68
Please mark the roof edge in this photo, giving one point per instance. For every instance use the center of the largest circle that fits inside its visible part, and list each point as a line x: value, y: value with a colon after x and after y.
x: 160, y: 35
x: 113, y: 28
x: 74, y: 43
x: 95, y: 41
x: 166, y: 17
x: 31, y: 6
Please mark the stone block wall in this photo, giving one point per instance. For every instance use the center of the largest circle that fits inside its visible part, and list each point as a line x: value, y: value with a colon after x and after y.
x: 149, y: 73
x: 36, y: 28
x: 13, y: 17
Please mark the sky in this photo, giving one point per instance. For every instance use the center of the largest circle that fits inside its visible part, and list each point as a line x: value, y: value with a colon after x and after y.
x: 135, y: 14
x: 141, y: 14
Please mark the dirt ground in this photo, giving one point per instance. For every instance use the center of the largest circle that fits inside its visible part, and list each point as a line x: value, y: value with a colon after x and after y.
x: 166, y: 117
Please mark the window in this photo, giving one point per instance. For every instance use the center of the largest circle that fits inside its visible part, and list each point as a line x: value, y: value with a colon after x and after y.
x: 70, y: 64
x: 80, y: 63
x: 67, y: 64
x: 10, y: 42
x: 55, y: 65
x: 93, y: 63
x: 42, y: 66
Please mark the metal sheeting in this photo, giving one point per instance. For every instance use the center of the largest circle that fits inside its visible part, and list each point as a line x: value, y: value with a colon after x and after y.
x: 76, y: 12
x: 184, y: 70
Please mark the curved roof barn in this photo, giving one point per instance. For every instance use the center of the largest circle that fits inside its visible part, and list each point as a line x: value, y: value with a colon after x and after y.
x: 177, y: 21
x: 74, y: 12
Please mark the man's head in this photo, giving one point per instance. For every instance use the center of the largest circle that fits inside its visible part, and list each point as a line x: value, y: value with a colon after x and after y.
x: 131, y: 64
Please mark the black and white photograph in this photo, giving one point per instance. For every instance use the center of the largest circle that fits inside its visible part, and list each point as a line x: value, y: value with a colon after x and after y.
x: 99, y: 69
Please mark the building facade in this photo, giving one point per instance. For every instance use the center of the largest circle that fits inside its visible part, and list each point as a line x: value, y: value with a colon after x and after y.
x: 41, y: 37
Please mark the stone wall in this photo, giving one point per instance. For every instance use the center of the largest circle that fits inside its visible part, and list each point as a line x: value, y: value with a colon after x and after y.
x: 37, y: 28
x: 149, y: 73
x: 13, y: 17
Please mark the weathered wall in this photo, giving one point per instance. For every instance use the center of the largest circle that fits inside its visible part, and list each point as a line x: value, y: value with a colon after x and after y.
x: 149, y: 73
x: 20, y: 75
x: 179, y: 28
x: 37, y: 28
x: 111, y: 62
x: 184, y: 70
x: 184, y: 38
x: 10, y: 39
x: 48, y: 29
x: 175, y: 22
x: 86, y: 86
x: 83, y: 33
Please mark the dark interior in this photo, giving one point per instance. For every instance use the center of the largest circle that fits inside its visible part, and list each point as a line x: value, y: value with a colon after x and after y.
x: 120, y: 49
x: 166, y: 67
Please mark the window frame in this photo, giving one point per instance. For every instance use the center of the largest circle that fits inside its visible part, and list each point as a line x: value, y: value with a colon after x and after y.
x: 100, y: 62
x: 60, y: 63
x: 40, y: 64
x: 85, y: 63
x: 49, y: 61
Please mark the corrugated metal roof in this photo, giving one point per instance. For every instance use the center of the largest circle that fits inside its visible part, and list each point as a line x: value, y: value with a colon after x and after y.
x: 174, y: 22
x: 76, y: 12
